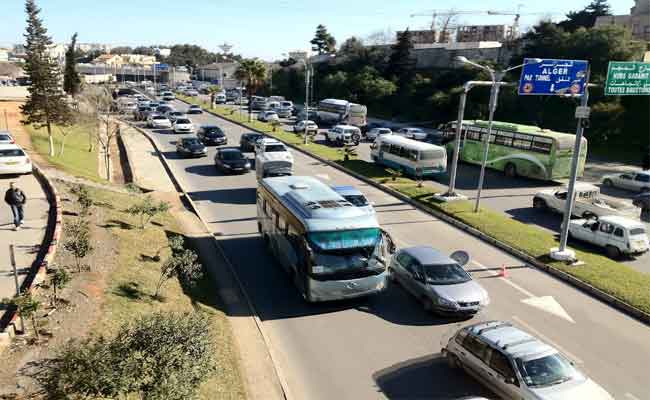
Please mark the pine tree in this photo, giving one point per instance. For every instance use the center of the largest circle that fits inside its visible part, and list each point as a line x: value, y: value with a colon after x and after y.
x: 586, y: 18
x: 46, y: 104
x: 323, y: 42
x: 401, y: 68
x: 71, y: 80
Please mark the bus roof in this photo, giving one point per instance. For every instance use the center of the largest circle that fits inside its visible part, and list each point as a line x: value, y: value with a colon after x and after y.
x: 410, y: 143
x: 335, y: 102
x: 317, y: 205
x: 530, y: 129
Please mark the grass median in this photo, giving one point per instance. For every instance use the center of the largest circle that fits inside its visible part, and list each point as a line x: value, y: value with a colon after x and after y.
x: 616, y: 279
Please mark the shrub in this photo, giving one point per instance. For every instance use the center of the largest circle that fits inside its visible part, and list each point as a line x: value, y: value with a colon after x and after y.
x: 146, y: 210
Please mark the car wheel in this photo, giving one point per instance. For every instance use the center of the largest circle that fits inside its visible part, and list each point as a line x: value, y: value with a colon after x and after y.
x: 510, y: 170
x: 612, y: 252
x: 608, y: 183
x: 539, y: 204
x: 588, y: 214
x: 453, y: 361
x: 426, y: 303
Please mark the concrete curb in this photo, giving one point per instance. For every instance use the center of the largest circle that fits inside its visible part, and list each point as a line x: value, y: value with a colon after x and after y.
x: 47, y: 251
x: 585, y: 287
x: 258, y: 322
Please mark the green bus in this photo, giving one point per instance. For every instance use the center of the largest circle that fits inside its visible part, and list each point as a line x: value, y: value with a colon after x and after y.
x: 517, y: 150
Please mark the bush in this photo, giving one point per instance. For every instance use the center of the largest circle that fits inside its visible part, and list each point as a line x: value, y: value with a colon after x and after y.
x: 146, y: 210
x: 78, y: 241
x: 83, y: 198
x: 159, y: 356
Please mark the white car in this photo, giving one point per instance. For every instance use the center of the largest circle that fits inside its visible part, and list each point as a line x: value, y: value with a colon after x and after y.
x: 192, y: 92
x: 6, y: 138
x: 617, y: 235
x: 309, y: 126
x: 342, y: 134
x: 13, y: 160
x: 159, y: 122
x: 173, y: 115
x: 272, y: 158
x: 412, y: 133
x: 268, y: 116
x: 374, y: 133
x: 635, y: 181
x: 220, y: 98
x: 183, y: 125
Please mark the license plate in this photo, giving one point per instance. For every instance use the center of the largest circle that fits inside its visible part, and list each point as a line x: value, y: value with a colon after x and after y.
x: 11, y: 163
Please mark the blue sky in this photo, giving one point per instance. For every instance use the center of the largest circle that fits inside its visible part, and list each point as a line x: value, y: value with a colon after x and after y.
x: 264, y: 29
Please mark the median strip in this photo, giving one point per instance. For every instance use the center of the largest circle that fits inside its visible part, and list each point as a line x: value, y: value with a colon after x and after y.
x: 605, y: 279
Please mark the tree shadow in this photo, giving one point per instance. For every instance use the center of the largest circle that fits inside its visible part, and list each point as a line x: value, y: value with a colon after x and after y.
x: 115, y: 223
x: 132, y: 291
x: 70, y: 213
x: 427, y: 377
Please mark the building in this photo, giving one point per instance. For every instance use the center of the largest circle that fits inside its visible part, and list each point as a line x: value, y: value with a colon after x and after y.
x: 429, y: 36
x: 224, y: 73
x: 484, y: 33
x: 298, y: 55
x: 163, y: 52
x: 638, y: 21
x: 4, y: 55
x: 109, y: 59
x: 138, y: 59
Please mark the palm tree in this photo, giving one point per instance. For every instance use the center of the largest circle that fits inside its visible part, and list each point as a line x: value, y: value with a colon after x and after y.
x: 253, y: 71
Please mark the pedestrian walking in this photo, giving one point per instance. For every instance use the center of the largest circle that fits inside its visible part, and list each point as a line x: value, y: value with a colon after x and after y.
x: 16, y: 199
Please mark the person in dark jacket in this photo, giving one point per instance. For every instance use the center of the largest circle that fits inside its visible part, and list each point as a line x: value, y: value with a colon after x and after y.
x: 16, y: 199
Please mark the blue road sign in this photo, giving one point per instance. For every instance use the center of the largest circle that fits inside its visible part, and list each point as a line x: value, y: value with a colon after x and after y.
x: 553, y: 77
x: 161, y: 67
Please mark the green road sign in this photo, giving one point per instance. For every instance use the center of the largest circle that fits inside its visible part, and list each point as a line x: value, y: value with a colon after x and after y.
x: 628, y: 79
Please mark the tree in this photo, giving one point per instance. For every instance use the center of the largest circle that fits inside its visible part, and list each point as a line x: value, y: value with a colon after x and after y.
x: 158, y: 356
x: 401, y: 69
x: 146, y: 210
x: 190, y: 55
x: 46, y: 104
x: 352, y: 49
x: 253, y: 71
x: 27, y: 307
x: 96, y: 100
x: 323, y: 42
x: 78, y: 241
x: 122, y: 50
x: 59, y: 280
x: 71, y: 80
x: 380, y: 38
x: 586, y: 18
x: 369, y: 87
x: 182, y: 265
x: 84, y: 200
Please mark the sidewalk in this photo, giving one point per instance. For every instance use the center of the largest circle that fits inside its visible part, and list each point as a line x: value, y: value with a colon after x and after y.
x: 27, y: 240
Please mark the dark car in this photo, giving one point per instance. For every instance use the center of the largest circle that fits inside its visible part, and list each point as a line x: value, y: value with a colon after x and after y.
x: 231, y: 160
x: 194, y: 109
x: 212, y: 135
x: 191, y: 147
x: 163, y: 109
x: 247, y: 141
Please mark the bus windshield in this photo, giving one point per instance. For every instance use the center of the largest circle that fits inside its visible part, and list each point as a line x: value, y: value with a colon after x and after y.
x: 341, y: 240
x: 344, y: 252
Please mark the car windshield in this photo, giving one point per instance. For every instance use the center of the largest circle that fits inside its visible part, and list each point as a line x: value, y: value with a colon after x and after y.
x: 183, y: 121
x: 546, y: 371
x: 445, y: 274
x: 253, y: 138
x: 637, y: 231
x: 191, y: 142
x: 195, y: 106
x: 5, y: 137
x: 214, y: 132
x: 158, y: 117
x: 11, y: 153
x: 232, y: 155
x: 273, y: 148
x: 356, y: 199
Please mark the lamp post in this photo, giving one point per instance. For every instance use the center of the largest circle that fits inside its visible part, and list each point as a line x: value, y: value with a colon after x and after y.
x: 497, y: 77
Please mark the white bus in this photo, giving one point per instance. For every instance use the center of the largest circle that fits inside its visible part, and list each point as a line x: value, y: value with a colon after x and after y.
x: 331, y: 249
x: 415, y: 158
x: 341, y: 112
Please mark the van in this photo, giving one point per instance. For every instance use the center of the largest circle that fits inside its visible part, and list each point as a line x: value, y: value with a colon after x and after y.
x: 418, y: 159
x: 617, y: 235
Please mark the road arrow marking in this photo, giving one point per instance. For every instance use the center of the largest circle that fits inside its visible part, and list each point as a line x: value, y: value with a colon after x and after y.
x: 548, y: 304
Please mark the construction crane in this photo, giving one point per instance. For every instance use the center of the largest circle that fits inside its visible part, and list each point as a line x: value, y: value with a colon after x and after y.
x: 517, y: 14
x: 434, y: 14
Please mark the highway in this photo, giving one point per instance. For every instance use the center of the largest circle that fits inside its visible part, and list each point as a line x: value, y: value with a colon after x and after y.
x: 386, y: 346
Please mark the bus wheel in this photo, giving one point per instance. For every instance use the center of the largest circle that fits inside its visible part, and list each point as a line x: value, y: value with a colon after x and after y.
x: 510, y: 170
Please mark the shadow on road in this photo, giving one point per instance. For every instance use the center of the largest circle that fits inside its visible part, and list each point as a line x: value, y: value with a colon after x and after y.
x: 468, y: 175
x: 414, y: 379
x: 226, y: 196
x: 544, y: 219
x: 204, y: 170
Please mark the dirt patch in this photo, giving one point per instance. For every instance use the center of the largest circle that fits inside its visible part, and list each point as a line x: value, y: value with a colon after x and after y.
x: 71, y: 317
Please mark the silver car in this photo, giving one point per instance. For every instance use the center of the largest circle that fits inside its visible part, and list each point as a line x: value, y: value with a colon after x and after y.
x: 438, y: 281
x: 516, y: 365
x: 634, y: 181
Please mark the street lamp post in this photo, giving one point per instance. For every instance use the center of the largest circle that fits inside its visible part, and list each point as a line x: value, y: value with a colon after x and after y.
x: 497, y: 77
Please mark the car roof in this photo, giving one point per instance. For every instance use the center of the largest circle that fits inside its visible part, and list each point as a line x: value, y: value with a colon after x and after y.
x: 346, y: 127
x: 428, y: 255
x: 510, y: 339
x: 5, y: 133
x: 622, y: 221
x: 268, y: 141
x: 229, y: 150
x: 10, y: 146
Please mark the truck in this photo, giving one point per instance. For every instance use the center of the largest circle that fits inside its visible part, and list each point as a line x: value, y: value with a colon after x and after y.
x: 589, y: 202
x: 272, y: 158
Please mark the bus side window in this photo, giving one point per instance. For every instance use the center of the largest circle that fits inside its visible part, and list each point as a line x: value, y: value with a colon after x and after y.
x: 413, y: 155
x: 385, y: 147
x: 276, y: 219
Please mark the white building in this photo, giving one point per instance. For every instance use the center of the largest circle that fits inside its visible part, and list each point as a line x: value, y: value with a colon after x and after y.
x: 163, y: 52
x: 638, y: 21
x: 4, y: 55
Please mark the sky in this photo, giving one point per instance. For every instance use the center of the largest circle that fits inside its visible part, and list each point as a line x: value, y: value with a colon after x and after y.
x: 256, y: 28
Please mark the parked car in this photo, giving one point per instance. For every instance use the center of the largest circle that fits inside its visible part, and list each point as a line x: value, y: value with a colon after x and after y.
x: 634, y: 181
x: 212, y: 135
x: 617, y: 235
x: 191, y: 147
x: 438, y: 281
x: 374, y: 133
x: 220, y: 98
x: 158, y: 121
x: 355, y: 197
x: 343, y: 134
x: 195, y: 109
x: 6, y: 138
x: 268, y: 116
x: 231, y: 160
x: 13, y: 160
x: 168, y: 96
x: 370, y: 126
x: 192, y: 92
x: 412, y: 133
x: 173, y: 115
x: 247, y: 141
x: 516, y: 365
x: 588, y: 202
x: 183, y: 125
x: 309, y: 126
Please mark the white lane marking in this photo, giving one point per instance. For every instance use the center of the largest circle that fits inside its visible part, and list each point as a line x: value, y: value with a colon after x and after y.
x: 631, y: 396
x: 547, y: 340
x: 508, y: 281
x: 548, y: 304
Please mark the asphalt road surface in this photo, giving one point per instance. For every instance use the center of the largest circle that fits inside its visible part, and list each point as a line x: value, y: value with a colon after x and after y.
x: 386, y: 346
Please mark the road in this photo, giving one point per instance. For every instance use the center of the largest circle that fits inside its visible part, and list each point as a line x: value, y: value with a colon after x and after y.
x: 387, y: 346
x: 514, y: 196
